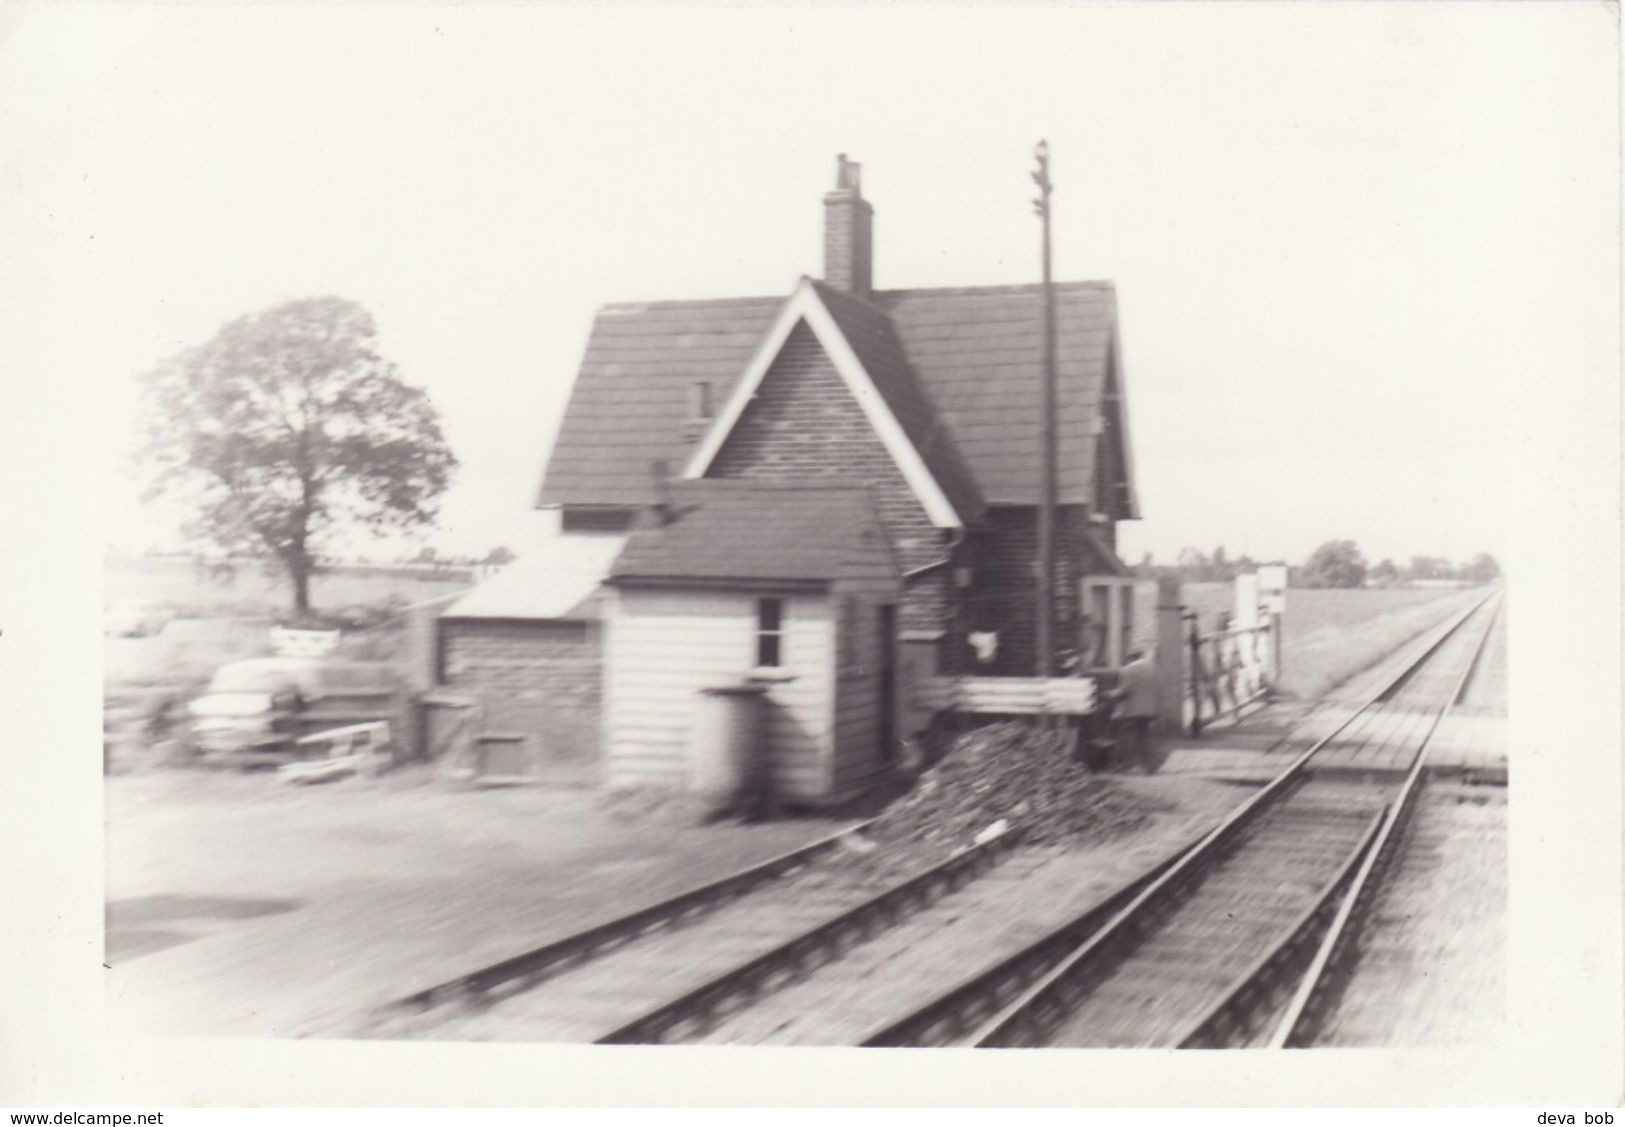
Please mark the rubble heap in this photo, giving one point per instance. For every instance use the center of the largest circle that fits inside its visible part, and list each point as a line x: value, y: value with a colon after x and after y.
x: 1016, y: 772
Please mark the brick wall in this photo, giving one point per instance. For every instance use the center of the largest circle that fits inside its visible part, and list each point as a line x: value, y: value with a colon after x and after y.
x: 848, y: 241
x: 542, y: 679
x: 1004, y: 595
x: 804, y: 425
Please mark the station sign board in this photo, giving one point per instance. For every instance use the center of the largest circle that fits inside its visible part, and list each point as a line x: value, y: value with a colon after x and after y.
x: 1272, y: 588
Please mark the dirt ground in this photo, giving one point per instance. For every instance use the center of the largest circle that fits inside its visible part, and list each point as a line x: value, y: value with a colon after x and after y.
x: 1432, y: 958
x: 240, y: 906
x: 237, y: 906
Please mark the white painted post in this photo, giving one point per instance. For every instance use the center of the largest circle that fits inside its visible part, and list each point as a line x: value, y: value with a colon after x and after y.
x: 1244, y: 643
x: 1170, y: 658
x: 1246, y: 616
x: 1272, y: 593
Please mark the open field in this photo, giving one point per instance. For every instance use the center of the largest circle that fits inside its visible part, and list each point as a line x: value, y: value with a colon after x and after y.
x: 1332, y: 635
x: 1329, y: 635
x: 251, y: 593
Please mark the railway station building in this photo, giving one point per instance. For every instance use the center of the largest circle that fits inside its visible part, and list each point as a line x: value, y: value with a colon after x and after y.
x: 759, y: 444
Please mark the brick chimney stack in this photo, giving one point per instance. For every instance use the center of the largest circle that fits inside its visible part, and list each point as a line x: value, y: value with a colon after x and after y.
x: 658, y: 512
x: 848, y: 232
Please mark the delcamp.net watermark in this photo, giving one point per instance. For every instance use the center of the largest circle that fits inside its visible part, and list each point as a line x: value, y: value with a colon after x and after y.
x: 89, y: 1118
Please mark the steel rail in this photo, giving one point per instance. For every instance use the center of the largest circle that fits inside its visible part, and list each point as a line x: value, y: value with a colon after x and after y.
x: 531, y: 967
x: 1234, y: 1013
x: 697, y: 1010
x: 1044, y: 1004
x: 1399, y: 680
x: 950, y: 1015
x: 1328, y: 968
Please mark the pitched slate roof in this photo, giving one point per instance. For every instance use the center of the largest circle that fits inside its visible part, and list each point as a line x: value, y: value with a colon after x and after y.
x: 630, y: 402
x: 980, y: 354
x: 764, y: 531
x: 958, y: 367
x: 874, y: 338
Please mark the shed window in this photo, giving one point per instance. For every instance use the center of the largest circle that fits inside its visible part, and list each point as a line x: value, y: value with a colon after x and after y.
x: 769, y: 633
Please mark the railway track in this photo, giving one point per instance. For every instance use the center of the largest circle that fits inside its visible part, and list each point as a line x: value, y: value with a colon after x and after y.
x: 1237, y: 930
x: 1426, y: 965
x: 1404, y: 864
x: 1193, y: 947
x: 651, y: 975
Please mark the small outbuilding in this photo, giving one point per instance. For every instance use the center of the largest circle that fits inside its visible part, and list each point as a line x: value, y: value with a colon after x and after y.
x: 517, y: 666
x: 790, y: 586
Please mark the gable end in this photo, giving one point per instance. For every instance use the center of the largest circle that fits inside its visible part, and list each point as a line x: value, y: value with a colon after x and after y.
x: 804, y: 308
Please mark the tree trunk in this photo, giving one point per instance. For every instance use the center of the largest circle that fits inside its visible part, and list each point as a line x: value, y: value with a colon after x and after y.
x: 299, y: 571
x: 300, y: 564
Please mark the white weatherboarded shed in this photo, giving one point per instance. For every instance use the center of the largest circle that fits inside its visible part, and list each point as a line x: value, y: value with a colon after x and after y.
x: 792, y: 587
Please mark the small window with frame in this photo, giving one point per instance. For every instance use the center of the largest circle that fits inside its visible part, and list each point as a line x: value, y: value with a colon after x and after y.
x: 769, y: 633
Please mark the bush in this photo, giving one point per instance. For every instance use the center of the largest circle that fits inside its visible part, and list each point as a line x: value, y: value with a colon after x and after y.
x: 356, y: 616
x: 1336, y: 563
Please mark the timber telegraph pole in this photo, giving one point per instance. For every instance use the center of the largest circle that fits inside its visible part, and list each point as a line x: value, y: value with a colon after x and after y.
x: 1046, y: 496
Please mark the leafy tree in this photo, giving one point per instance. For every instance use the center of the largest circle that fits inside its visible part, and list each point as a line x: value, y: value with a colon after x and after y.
x: 287, y: 426
x: 1483, y: 569
x: 1336, y: 563
x: 1193, y: 565
x: 1385, y: 574
x: 500, y: 556
x: 1430, y: 567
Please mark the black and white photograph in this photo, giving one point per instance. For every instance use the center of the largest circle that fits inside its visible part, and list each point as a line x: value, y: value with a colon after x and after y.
x: 663, y: 554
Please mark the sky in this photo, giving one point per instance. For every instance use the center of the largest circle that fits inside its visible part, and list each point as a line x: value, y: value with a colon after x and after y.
x: 1348, y: 241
